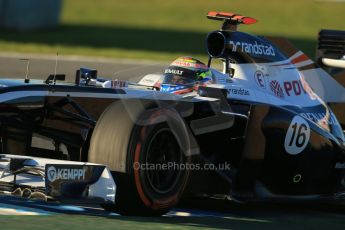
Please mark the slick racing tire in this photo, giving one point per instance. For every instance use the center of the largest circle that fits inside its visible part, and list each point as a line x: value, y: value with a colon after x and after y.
x: 145, y: 148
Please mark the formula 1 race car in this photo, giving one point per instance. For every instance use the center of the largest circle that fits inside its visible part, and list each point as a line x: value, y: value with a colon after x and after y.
x: 160, y: 146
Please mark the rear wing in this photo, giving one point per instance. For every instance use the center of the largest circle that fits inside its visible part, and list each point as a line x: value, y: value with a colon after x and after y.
x: 230, y: 20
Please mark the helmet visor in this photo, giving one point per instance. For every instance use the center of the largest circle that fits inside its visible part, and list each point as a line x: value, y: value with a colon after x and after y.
x: 177, y: 80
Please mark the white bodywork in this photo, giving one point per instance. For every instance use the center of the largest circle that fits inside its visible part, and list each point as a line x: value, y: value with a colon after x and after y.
x: 279, y: 83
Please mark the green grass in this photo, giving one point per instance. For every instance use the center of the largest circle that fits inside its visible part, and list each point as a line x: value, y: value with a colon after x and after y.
x: 76, y: 222
x: 163, y: 30
x: 80, y: 222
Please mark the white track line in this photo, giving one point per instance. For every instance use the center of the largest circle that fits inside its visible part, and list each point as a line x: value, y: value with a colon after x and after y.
x: 14, y: 210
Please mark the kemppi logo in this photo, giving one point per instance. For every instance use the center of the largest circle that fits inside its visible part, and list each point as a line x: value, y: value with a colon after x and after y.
x: 54, y: 173
x: 51, y: 173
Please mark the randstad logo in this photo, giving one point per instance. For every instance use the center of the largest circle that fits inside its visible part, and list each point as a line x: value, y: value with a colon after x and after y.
x: 258, y: 49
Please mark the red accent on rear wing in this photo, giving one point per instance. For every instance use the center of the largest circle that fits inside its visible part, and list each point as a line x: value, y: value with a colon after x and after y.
x: 231, y: 18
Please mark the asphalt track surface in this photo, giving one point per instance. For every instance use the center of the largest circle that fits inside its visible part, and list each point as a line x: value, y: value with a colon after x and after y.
x: 204, y: 213
x: 12, y: 65
x: 215, y: 214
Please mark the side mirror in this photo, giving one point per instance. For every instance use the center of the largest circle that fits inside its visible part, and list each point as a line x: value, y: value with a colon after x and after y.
x: 86, y: 74
x: 52, y: 78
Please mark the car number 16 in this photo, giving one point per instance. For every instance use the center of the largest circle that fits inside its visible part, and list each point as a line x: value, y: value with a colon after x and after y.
x: 297, y: 136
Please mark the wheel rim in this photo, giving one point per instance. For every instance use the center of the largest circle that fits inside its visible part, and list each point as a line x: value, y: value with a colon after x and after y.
x: 164, y: 158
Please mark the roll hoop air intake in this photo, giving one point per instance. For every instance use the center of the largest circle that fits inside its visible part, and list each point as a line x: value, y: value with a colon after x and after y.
x: 217, y: 42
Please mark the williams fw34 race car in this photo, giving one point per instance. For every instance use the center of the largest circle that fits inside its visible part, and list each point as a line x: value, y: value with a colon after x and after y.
x: 267, y: 127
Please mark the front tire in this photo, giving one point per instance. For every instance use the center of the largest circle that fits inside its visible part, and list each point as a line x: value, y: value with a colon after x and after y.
x: 155, y: 172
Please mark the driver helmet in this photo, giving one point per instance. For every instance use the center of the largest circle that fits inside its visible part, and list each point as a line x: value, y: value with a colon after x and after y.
x: 184, y: 75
